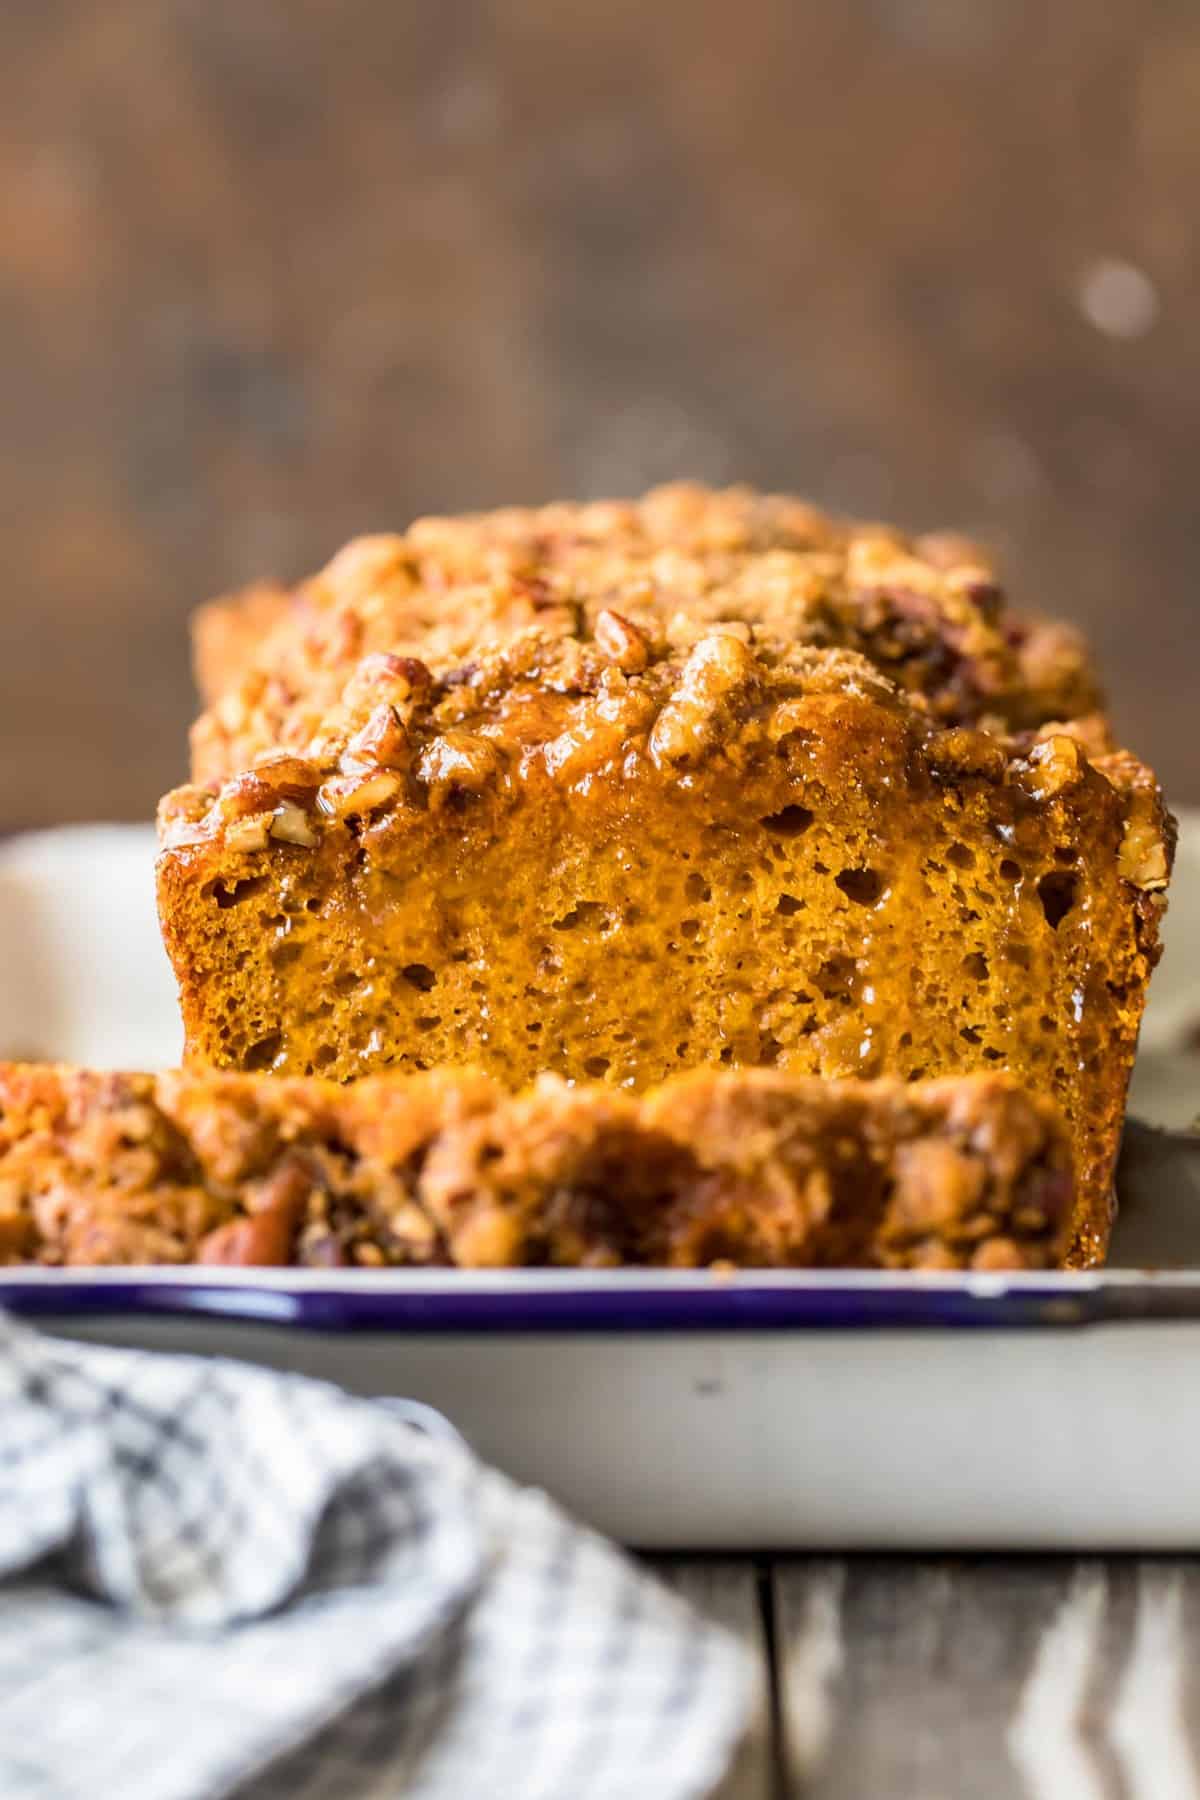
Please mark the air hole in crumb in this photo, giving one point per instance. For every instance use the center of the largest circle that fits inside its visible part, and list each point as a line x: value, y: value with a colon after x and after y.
x: 584, y: 912
x: 1047, y: 1023
x: 227, y: 895
x: 347, y: 981
x: 696, y: 888
x: 991, y: 1055
x: 324, y: 1056
x: 597, y: 1067
x: 427, y: 1022
x: 726, y: 1056
x: 961, y: 856
x: 1057, y: 893
x: 313, y: 905
x: 976, y: 966
x: 1064, y: 854
x: 835, y: 976
x: 970, y: 1035
x: 863, y: 886
x: 787, y: 904
x: 265, y: 1053
x: 418, y: 975
x: 681, y: 1050
x: 769, y: 1049
x: 905, y: 1040
x: 792, y: 821
x: 690, y: 928
x: 1011, y: 871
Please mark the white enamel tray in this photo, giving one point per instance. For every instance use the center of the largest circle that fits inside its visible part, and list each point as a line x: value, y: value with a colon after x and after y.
x: 757, y: 1412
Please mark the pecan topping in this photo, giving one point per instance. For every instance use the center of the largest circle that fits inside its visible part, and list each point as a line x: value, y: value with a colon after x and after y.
x: 720, y: 670
x: 1054, y: 765
x: 458, y: 760
x: 382, y: 743
x: 622, y: 642
x: 1143, y: 858
x: 400, y: 678
x: 251, y: 833
x: 273, y: 780
x: 291, y: 825
x: 261, y: 1241
x: 358, y: 793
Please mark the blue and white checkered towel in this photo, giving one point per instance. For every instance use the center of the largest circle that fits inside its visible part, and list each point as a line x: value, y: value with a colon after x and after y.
x: 214, y: 1578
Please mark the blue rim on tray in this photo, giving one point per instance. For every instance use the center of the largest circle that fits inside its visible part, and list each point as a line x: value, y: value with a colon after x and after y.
x: 620, y: 1302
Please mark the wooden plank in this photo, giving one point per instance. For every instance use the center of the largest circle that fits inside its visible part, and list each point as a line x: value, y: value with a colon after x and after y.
x: 1151, y: 1710
x: 1008, y: 1679
x: 728, y: 1593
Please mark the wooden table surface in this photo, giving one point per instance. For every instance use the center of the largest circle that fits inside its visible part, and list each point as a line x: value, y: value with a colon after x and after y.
x: 991, y: 1678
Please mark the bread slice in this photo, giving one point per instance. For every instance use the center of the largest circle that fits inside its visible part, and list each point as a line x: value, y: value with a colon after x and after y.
x: 757, y: 1169
x: 630, y: 805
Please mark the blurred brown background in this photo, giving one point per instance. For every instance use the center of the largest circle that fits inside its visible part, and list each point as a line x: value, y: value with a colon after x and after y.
x: 276, y: 271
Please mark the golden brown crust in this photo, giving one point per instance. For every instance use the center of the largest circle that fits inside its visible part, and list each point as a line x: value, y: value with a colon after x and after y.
x: 227, y: 635
x: 658, y: 574
x: 758, y: 1169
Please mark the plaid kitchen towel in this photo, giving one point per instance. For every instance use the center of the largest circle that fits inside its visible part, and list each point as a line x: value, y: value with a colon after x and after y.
x: 216, y: 1579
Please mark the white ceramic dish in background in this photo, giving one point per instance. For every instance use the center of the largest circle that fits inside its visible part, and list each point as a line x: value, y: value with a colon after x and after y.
x: 83, y: 974
x: 690, y: 1411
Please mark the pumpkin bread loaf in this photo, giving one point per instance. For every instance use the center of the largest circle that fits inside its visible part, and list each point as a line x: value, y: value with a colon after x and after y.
x: 621, y: 791
x: 758, y: 1168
